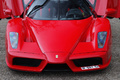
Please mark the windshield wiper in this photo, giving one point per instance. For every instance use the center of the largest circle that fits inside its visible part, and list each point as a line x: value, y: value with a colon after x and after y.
x: 37, y: 7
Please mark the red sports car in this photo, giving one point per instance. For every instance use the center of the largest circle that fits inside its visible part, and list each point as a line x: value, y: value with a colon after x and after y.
x: 58, y: 34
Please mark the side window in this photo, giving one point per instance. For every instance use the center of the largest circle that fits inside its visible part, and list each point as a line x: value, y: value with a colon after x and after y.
x: 92, y: 3
x: 26, y: 3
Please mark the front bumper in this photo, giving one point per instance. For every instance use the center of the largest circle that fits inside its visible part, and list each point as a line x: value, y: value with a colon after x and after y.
x: 105, y: 57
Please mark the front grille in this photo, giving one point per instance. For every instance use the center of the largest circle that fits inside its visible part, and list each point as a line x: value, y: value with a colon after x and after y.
x: 26, y: 62
x: 57, y: 67
x: 87, y: 62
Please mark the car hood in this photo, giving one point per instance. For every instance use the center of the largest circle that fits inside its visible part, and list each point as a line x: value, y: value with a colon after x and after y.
x: 59, y: 36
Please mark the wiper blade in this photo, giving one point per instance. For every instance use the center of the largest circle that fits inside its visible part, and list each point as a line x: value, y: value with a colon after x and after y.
x: 37, y: 7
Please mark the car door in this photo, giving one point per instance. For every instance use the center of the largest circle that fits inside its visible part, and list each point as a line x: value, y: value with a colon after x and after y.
x: 109, y: 8
x: 99, y: 6
x: 114, y: 5
x: 16, y: 6
x: 2, y: 7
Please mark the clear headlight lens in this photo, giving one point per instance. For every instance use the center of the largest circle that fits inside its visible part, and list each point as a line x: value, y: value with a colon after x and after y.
x: 14, y: 39
x: 101, y: 39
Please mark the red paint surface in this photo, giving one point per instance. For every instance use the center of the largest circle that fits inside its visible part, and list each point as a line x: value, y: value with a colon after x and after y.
x: 62, y: 38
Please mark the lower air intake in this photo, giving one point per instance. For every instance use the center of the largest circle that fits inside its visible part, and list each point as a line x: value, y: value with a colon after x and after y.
x: 26, y: 62
x: 87, y: 62
x: 57, y: 67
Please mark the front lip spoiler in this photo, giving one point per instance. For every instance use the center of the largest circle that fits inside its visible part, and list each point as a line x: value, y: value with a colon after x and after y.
x: 69, y: 62
x: 75, y: 70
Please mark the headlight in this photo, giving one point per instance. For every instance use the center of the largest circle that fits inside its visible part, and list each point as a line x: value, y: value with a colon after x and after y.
x: 101, y: 39
x: 14, y: 39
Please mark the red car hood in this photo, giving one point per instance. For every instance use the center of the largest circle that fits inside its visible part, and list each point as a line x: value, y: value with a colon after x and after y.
x: 58, y: 36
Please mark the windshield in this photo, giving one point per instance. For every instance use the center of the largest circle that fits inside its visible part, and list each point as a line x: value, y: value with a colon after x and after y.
x: 59, y: 10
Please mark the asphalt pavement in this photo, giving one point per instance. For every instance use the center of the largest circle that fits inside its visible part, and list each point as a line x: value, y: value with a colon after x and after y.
x: 110, y: 73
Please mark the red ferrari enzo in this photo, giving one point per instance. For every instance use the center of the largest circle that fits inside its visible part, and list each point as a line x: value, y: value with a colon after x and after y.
x: 58, y: 34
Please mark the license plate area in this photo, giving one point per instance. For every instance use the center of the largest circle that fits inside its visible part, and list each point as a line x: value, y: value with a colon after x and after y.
x: 90, y: 67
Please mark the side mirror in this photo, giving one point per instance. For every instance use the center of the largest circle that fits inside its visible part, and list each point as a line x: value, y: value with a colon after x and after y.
x: 111, y: 11
x: 8, y: 12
